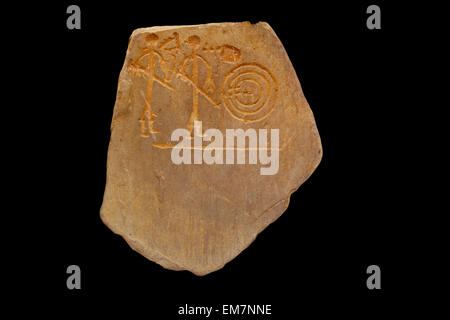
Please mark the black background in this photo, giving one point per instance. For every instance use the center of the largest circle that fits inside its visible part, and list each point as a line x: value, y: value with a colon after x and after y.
x: 350, y: 213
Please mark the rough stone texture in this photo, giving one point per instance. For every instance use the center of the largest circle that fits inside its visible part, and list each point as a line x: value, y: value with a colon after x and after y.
x: 198, y: 217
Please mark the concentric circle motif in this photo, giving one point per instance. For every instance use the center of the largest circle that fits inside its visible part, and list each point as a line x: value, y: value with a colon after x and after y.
x: 249, y: 92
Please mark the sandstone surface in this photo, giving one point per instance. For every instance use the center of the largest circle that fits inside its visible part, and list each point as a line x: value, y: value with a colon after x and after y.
x: 199, y: 216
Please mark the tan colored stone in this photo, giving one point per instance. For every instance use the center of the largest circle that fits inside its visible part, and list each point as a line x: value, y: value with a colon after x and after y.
x: 197, y: 217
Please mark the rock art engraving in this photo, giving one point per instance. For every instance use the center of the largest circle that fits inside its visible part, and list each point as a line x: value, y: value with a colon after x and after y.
x: 249, y: 90
x: 195, y: 60
x: 154, y: 56
x: 210, y: 136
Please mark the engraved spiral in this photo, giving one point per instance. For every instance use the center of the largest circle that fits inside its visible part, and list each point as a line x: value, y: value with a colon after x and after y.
x: 249, y: 92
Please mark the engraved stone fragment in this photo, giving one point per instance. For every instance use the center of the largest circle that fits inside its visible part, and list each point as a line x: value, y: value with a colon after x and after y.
x: 210, y: 136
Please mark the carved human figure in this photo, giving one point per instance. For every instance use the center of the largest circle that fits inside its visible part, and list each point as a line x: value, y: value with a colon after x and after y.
x: 153, y: 56
x: 196, y: 60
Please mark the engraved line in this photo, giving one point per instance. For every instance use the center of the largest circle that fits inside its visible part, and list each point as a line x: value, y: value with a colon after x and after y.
x: 170, y: 146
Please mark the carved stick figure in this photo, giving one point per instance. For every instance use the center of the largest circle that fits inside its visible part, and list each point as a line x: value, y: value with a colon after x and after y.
x: 153, y: 55
x: 194, y: 58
